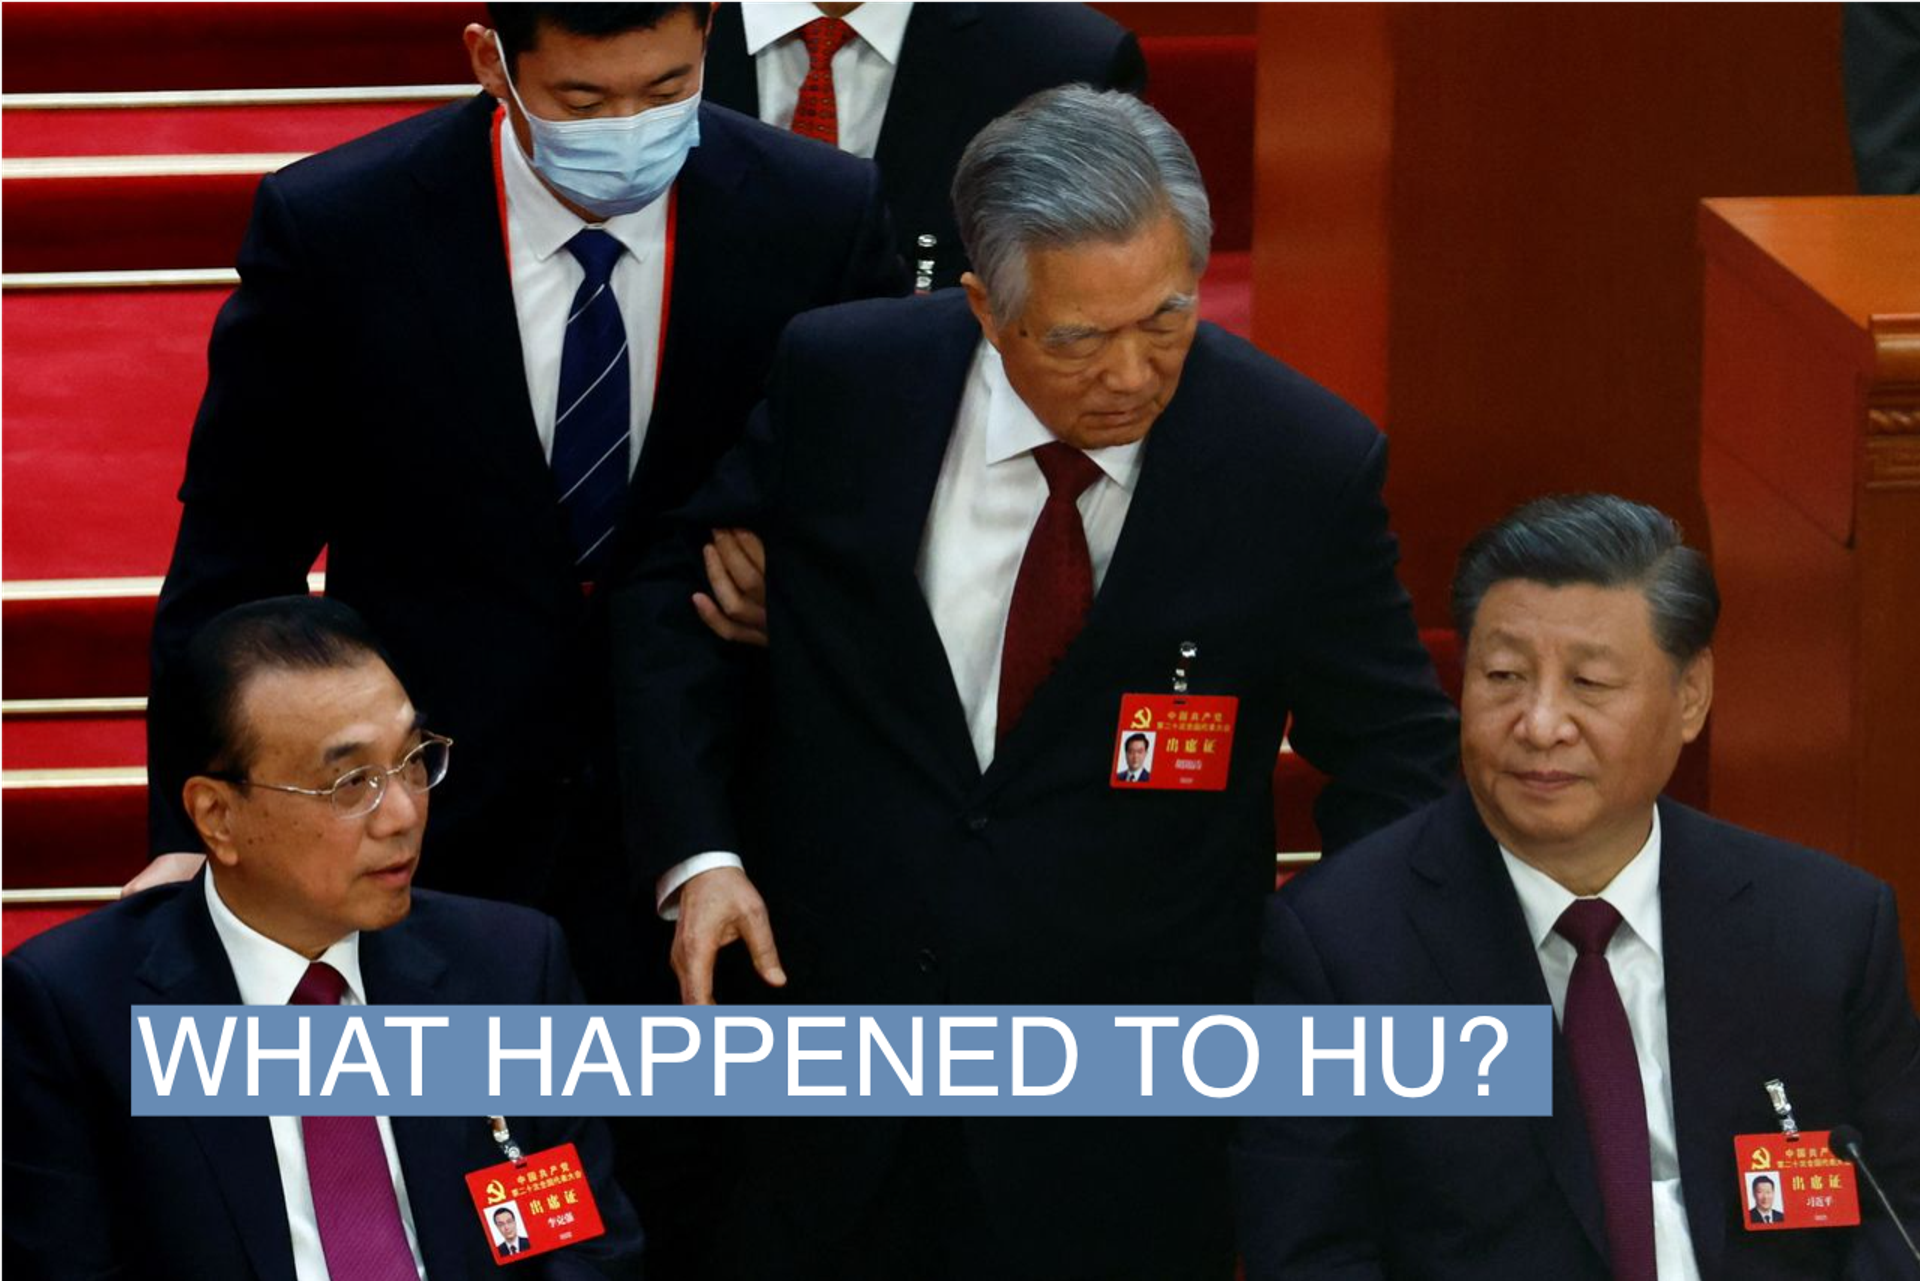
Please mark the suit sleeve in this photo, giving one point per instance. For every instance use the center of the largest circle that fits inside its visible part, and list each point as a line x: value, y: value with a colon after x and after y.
x: 1128, y: 70
x: 1880, y: 53
x: 617, y: 1254
x: 1885, y: 1062
x: 1306, y: 1189
x: 683, y: 698
x: 1368, y: 710
x: 250, y: 523
x: 874, y: 268
x: 54, y: 1157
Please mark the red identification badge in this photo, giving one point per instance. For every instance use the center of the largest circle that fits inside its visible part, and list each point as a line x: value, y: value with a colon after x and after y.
x: 1794, y: 1183
x: 1173, y: 742
x: 532, y: 1207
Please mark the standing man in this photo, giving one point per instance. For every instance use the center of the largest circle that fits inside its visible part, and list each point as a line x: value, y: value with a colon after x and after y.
x: 472, y: 357
x: 310, y: 787
x: 908, y: 85
x: 1688, y: 962
x: 989, y: 518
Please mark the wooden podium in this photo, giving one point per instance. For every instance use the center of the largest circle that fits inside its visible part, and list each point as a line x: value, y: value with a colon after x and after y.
x: 1810, y: 468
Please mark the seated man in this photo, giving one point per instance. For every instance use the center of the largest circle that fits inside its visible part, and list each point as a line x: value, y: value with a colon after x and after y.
x: 311, y: 796
x: 1709, y: 958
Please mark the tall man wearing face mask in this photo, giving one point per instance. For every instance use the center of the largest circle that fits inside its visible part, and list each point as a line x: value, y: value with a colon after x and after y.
x: 471, y: 355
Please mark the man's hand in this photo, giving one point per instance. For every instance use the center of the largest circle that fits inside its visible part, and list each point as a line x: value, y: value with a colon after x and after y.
x: 164, y: 870
x: 717, y: 908
x: 737, y: 572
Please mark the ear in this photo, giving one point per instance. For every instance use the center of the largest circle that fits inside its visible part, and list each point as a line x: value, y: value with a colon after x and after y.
x: 483, y: 53
x: 210, y: 803
x: 1696, y: 695
x: 982, y: 307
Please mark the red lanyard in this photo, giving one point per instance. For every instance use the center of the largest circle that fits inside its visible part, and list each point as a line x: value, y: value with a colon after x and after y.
x: 673, y: 224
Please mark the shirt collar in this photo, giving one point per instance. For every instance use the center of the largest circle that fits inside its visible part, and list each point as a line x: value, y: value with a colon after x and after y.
x: 1634, y: 892
x: 267, y: 972
x: 544, y: 226
x: 1013, y: 429
x: 883, y: 25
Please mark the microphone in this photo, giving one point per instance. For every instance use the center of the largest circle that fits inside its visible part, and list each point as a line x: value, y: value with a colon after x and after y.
x: 1846, y: 1141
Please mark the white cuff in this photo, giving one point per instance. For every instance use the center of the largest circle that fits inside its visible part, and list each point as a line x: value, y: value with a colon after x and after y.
x: 666, y: 890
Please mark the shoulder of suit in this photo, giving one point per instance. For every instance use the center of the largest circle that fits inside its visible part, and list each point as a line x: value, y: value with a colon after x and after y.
x: 390, y: 153
x: 106, y: 943
x: 1372, y: 867
x: 1778, y: 867
x: 1272, y: 405
x: 1054, y: 43
x: 781, y: 155
x: 459, y: 916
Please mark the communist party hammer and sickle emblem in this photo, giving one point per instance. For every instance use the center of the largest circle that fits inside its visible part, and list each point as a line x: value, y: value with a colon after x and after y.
x: 496, y: 1192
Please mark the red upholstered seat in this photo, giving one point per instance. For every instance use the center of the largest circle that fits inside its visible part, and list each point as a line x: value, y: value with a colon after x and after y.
x: 21, y: 921
x: 1204, y: 86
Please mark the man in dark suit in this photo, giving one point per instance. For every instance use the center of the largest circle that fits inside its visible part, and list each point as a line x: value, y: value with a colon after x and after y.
x: 1764, y: 1210
x: 1135, y: 769
x: 1688, y: 962
x: 311, y: 793
x: 386, y: 384
x: 511, y: 1242
x: 988, y: 516
x: 910, y: 85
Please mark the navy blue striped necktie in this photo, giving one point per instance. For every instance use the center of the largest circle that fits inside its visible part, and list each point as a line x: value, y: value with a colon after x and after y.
x: 594, y: 415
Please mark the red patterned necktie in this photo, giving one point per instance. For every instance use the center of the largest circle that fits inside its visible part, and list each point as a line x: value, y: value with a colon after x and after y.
x: 1600, y: 1043
x: 353, y: 1199
x: 1054, y: 589
x: 816, y: 115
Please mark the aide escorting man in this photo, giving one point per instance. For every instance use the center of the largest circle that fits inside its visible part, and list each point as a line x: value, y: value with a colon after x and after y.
x: 311, y: 792
x: 997, y: 522
x: 1688, y: 962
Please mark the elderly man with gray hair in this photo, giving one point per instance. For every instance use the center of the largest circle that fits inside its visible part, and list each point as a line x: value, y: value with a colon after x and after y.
x: 994, y: 518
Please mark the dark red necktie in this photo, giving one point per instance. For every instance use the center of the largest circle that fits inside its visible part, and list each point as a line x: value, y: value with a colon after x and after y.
x: 816, y: 115
x: 1600, y: 1043
x: 353, y: 1199
x: 1054, y: 590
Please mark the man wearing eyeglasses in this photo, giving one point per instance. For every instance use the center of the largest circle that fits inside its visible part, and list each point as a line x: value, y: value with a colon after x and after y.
x: 311, y: 794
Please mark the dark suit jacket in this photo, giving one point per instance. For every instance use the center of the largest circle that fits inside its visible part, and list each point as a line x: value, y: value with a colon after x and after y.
x: 1780, y: 962
x: 895, y: 871
x: 112, y: 1192
x: 961, y: 65
x: 1146, y: 775
x: 516, y: 1247
x: 1880, y: 48
x: 367, y: 393
x: 1772, y: 1216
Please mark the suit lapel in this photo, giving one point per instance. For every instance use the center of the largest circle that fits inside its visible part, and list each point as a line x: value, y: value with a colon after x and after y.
x: 1711, y: 943
x: 913, y: 665
x: 706, y: 245
x: 460, y: 266
x: 400, y: 968
x: 188, y: 966
x: 932, y: 75
x: 730, y: 77
x: 1476, y: 937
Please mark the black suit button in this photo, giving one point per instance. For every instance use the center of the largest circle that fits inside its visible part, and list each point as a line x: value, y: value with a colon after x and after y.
x: 976, y: 822
x: 927, y: 959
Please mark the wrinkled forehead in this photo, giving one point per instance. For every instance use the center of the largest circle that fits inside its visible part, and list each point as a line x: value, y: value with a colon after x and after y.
x: 327, y: 716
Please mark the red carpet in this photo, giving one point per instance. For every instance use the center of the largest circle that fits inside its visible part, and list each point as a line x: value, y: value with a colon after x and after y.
x: 192, y: 131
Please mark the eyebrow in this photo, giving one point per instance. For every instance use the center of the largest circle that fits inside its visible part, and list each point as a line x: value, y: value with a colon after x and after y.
x: 1062, y: 335
x: 340, y: 751
x: 600, y: 90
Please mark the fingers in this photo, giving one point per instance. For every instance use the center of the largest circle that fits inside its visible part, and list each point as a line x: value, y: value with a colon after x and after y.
x: 725, y: 628
x: 759, y: 936
x: 164, y: 870
x: 737, y: 585
x: 693, y: 955
x: 750, y: 546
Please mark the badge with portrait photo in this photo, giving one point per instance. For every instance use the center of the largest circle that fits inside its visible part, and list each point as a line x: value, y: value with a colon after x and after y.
x: 1788, y: 1183
x: 535, y: 1206
x: 1173, y: 742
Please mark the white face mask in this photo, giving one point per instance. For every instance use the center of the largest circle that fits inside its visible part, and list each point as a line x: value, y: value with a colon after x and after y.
x: 614, y: 165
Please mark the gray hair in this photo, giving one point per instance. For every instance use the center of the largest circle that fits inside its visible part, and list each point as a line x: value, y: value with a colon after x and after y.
x: 1603, y: 541
x: 1065, y: 167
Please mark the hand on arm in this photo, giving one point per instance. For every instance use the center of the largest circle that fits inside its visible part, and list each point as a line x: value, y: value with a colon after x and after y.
x: 736, y: 563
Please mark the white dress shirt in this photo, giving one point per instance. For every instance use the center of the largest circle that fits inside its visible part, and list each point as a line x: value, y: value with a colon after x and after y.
x: 863, y: 67
x: 985, y: 505
x: 267, y: 974
x: 1639, y: 972
x: 546, y: 277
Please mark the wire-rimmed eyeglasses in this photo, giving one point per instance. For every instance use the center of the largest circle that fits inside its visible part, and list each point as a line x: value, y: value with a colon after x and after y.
x: 358, y: 792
